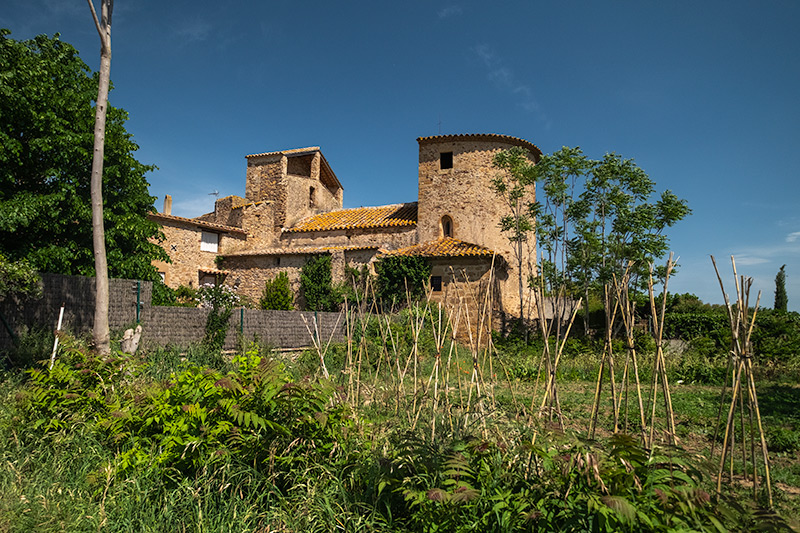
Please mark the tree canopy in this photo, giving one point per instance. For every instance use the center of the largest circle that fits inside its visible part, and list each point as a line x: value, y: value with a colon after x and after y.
x: 46, y: 138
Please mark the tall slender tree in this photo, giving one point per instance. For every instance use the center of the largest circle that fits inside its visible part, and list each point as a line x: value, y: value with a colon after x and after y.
x: 100, y: 332
x: 781, y: 300
x: 516, y: 187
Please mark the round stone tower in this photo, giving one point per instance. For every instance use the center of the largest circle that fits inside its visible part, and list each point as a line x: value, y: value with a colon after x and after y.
x: 456, y: 197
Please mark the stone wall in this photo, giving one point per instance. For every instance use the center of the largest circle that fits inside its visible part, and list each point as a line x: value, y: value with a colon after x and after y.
x: 302, y: 202
x: 389, y: 238
x: 182, y: 244
x: 180, y: 326
x: 266, y: 180
x: 250, y: 272
x: 466, y: 295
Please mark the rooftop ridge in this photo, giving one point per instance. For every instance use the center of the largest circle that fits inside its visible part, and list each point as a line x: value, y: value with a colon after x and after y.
x: 535, y: 150
x: 291, y: 152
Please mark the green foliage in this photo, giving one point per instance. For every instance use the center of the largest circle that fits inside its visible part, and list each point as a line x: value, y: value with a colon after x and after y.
x: 586, y: 486
x: 776, y: 336
x: 277, y: 294
x: 781, y: 299
x: 200, y: 417
x: 187, y: 296
x: 46, y: 143
x: 398, y: 275
x: 163, y: 295
x: 17, y: 278
x: 220, y: 300
x: 687, y: 326
x: 357, y: 285
x: 316, y: 284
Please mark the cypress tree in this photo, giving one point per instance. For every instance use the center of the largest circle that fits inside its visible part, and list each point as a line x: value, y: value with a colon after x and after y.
x: 781, y: 300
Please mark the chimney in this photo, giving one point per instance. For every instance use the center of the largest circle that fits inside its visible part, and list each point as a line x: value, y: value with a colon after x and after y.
x: 167, y: 205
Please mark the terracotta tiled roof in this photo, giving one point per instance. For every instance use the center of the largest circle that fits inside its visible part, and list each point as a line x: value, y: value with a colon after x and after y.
x: 213, y: 271
x: 447, y: 247
x: 532, y: 148
x: 301, y: 250
x: 195, y: 222
x: 384, y: 216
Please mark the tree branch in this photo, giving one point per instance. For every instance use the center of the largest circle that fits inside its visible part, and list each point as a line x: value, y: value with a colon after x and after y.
x: 96, y: 21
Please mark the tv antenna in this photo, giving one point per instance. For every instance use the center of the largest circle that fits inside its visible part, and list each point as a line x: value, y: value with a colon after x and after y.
x: 215, y: 194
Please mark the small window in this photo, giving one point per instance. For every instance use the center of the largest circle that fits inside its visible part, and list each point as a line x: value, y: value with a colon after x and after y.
x: 446, y: 160
x: 163, y: 276
x: 311, y: 194
x: 209, y: 242
x: 447, y: 226
x: 207, y: 279
x: 436, y: 283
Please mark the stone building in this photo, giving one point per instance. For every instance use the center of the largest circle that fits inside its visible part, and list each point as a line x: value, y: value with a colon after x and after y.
x: 292, y: 210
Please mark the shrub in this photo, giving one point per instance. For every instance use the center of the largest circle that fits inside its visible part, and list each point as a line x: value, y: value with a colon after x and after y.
x: 186, y: 296
x: 316, y: 284
x: 221, y: 299
x: 17, y: 278
x: 277, y: 294
x: 163, y: 295
x: 396, y: 273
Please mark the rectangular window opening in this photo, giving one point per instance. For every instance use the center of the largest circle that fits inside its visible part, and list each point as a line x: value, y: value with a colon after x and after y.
x: 209, y: 242
x: 436, y: 283
x: 446, y: 160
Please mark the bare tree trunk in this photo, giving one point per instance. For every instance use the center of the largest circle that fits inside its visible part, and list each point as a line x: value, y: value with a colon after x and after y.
x: 102, y: 338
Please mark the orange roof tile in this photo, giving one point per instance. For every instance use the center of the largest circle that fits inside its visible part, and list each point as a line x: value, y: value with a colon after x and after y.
x: 195, y: 222
x: 384, y: 216
x: 300, y: 250
x: 447, y: 247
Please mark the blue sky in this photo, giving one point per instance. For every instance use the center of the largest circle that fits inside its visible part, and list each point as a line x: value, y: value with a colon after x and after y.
x: 703, y: 95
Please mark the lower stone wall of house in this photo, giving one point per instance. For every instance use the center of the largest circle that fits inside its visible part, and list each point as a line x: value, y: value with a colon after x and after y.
x: 162, y: 326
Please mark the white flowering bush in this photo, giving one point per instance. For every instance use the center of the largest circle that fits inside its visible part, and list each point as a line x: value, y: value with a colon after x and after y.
x: 221, y: 300
x: 218, y: 297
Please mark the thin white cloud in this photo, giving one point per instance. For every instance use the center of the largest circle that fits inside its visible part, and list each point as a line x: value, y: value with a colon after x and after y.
x: 749, y: 260
x: 193, y: 31
x: 792, y: 237
x: 450, y: 11
x: 504, y: 79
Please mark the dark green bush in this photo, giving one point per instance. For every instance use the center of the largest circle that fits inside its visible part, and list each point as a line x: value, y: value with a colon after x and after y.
x: 277, y: 294
x: 316, y: 285
x: 163, y: 295
x: 398, y: 273
x: 776, y: 336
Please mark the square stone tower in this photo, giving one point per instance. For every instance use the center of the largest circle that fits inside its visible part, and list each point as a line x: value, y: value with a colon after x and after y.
x: 298, y: 183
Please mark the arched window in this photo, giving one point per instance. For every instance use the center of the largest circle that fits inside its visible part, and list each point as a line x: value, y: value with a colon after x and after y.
x: 447, y: 226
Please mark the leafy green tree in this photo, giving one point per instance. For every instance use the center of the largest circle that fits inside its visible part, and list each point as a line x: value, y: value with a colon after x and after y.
x: 621, y: 221
x: 781, y: 299
x: 46, y: 144
x: 516, y: 186
x: 316, y: 284
x: 398, y: 273
x: 18, y: 279
x: 277, y: 294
